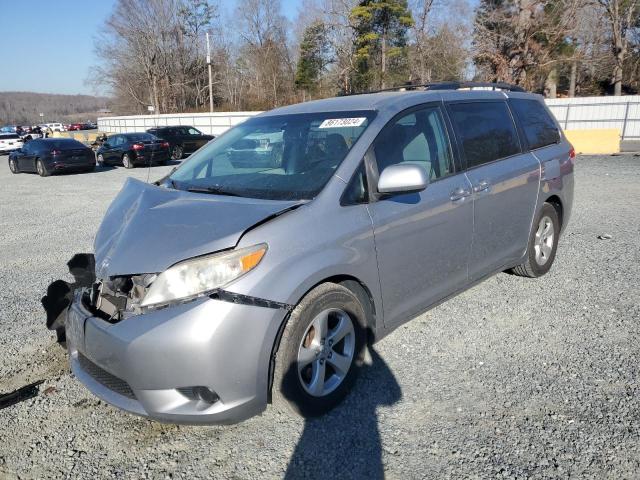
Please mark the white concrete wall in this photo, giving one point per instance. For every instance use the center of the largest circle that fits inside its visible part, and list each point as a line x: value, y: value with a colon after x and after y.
x: 585, y: 113
x: 211, y: 123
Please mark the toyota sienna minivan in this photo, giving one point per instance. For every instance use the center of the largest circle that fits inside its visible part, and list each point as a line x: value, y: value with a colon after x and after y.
x: 259, y: 269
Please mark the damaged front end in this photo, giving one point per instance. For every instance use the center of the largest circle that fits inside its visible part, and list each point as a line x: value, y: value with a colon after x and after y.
x: 117, y: 298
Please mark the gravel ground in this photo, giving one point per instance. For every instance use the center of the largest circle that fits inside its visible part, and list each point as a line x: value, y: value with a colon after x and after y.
x: 514, y: 378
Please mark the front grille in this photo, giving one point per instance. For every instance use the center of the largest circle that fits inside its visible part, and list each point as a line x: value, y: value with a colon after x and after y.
x: 105, y: 378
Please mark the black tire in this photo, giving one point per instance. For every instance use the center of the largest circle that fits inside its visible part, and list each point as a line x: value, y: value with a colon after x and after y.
x: 126, y: 161
x: 41, y: 168
x: 177, y: 152
x: 532, y: 267
x: 13, y: 166
x: 288, y: 386
x: 90, y: 169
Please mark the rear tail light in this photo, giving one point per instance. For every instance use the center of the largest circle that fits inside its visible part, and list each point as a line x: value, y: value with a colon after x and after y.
x: 572, y: 153
x: 164, y: 144
x: 138, y: 146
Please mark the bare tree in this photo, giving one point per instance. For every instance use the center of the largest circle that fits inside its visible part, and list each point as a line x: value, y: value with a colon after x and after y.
x: 622, y: 15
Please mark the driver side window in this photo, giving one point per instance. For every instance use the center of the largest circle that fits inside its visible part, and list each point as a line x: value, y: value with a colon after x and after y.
x: 418, y: 138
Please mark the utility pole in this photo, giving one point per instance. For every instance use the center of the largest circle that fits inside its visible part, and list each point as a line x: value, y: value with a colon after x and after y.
x: 210, y: 81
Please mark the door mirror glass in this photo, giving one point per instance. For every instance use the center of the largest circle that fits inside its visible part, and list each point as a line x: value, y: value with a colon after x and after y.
x: 403, y: 178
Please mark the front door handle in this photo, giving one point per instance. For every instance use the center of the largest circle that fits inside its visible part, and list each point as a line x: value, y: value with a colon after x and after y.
x: 458, y: 194
x: 481, y: 187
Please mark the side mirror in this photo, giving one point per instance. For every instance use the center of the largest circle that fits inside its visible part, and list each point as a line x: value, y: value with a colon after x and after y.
x: 403, y: 178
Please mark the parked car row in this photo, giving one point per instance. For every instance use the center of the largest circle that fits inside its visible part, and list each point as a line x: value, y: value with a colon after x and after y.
x: 156, y: 146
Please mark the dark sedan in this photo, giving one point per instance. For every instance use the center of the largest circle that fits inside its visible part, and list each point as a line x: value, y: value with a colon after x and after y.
x: 50, y: 155
x: 183, y: 140
x: 133, y: 149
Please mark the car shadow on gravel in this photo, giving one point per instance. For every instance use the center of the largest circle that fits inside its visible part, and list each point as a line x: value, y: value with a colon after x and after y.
x: 346, y: 443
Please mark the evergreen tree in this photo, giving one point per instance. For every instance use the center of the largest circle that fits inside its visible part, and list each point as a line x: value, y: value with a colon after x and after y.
x: 381, y: 42
x: 314, y: 50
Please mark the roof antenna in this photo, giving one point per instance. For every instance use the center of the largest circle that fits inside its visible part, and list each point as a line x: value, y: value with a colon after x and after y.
x: 154, y: 119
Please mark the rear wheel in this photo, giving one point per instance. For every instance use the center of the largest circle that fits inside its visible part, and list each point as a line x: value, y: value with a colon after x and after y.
x: 126, y: 161
x: 543, y: 243
x: 321, y: 351
x: 13, y: 166
x: 100, y: 160
x: 42, y: 170
x: 176, y: 152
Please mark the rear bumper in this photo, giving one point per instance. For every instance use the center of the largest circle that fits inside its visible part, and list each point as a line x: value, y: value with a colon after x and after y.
x: 153, y: 159
x: 145, y: 363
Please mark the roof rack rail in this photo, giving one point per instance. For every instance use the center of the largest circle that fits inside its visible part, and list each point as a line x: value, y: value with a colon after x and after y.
x: 448, y: 86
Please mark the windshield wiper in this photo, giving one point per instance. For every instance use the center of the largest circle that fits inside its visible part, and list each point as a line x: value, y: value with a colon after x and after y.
x: 212, y: 191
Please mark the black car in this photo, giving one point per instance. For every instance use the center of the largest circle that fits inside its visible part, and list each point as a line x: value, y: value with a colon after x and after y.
x: 46, y: 156
x: 133, y: 149
x: 183, y: 140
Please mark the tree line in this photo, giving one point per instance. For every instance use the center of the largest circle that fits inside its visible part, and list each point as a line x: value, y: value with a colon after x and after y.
x: 153, y: 52
x: 24, y: 108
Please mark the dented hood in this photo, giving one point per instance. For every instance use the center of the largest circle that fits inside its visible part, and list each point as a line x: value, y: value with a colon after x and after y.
x: 148, y: 228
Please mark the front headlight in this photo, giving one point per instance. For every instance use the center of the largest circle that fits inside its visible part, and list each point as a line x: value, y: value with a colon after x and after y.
x: 199, y: 276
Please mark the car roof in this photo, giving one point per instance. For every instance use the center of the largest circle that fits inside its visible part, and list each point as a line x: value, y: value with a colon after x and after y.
x: 391, y: 102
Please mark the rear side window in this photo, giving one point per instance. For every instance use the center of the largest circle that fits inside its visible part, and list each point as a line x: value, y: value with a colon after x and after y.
x: 539, y: 128
x: 485, y: 131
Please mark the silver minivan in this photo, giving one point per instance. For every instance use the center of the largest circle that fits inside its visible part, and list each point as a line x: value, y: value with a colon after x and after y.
x: 260, y: 269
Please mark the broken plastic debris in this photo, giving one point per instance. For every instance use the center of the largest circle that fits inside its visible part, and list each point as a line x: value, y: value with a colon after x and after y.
x: 19, y: 395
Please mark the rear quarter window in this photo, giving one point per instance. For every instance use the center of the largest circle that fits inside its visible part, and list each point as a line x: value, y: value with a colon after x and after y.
x: 485, y: 131
x: 539, y: 128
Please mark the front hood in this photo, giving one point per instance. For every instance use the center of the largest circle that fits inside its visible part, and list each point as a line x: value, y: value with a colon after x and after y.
x: 148, y: 228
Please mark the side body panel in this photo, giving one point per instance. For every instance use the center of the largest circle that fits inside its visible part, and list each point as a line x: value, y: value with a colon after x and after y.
x: 505, y: 196
x: 422, y: 242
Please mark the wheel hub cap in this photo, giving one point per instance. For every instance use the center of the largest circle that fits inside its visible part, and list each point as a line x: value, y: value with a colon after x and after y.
x: 543, y: 243
x: 326, y: 352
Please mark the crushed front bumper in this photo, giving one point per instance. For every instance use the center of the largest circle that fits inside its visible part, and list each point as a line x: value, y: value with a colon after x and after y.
x: 145, y: 364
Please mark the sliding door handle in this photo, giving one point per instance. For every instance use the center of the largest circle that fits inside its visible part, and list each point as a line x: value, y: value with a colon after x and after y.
x: 459, y: 194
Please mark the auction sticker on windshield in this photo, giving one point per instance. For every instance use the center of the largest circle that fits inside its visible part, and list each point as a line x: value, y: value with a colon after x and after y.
x: 342, y: 122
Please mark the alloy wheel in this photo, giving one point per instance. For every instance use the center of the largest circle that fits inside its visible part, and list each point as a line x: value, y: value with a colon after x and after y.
x: 543, y: 243
x: 13, y: 166
x: 326, y: 352
x: 176, y: 153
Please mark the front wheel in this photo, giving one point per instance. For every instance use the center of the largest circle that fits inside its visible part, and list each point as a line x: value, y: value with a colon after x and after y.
x: 321, y: 351
x: 126, y: 161
x: 543, y: 244
x: 100, y: 160
x: 13, y: 166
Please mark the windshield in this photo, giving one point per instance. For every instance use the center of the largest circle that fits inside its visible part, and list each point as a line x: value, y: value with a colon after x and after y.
x: 284, y: 157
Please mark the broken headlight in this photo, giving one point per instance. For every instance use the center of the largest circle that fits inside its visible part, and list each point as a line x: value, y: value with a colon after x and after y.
x: 202, y: 275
